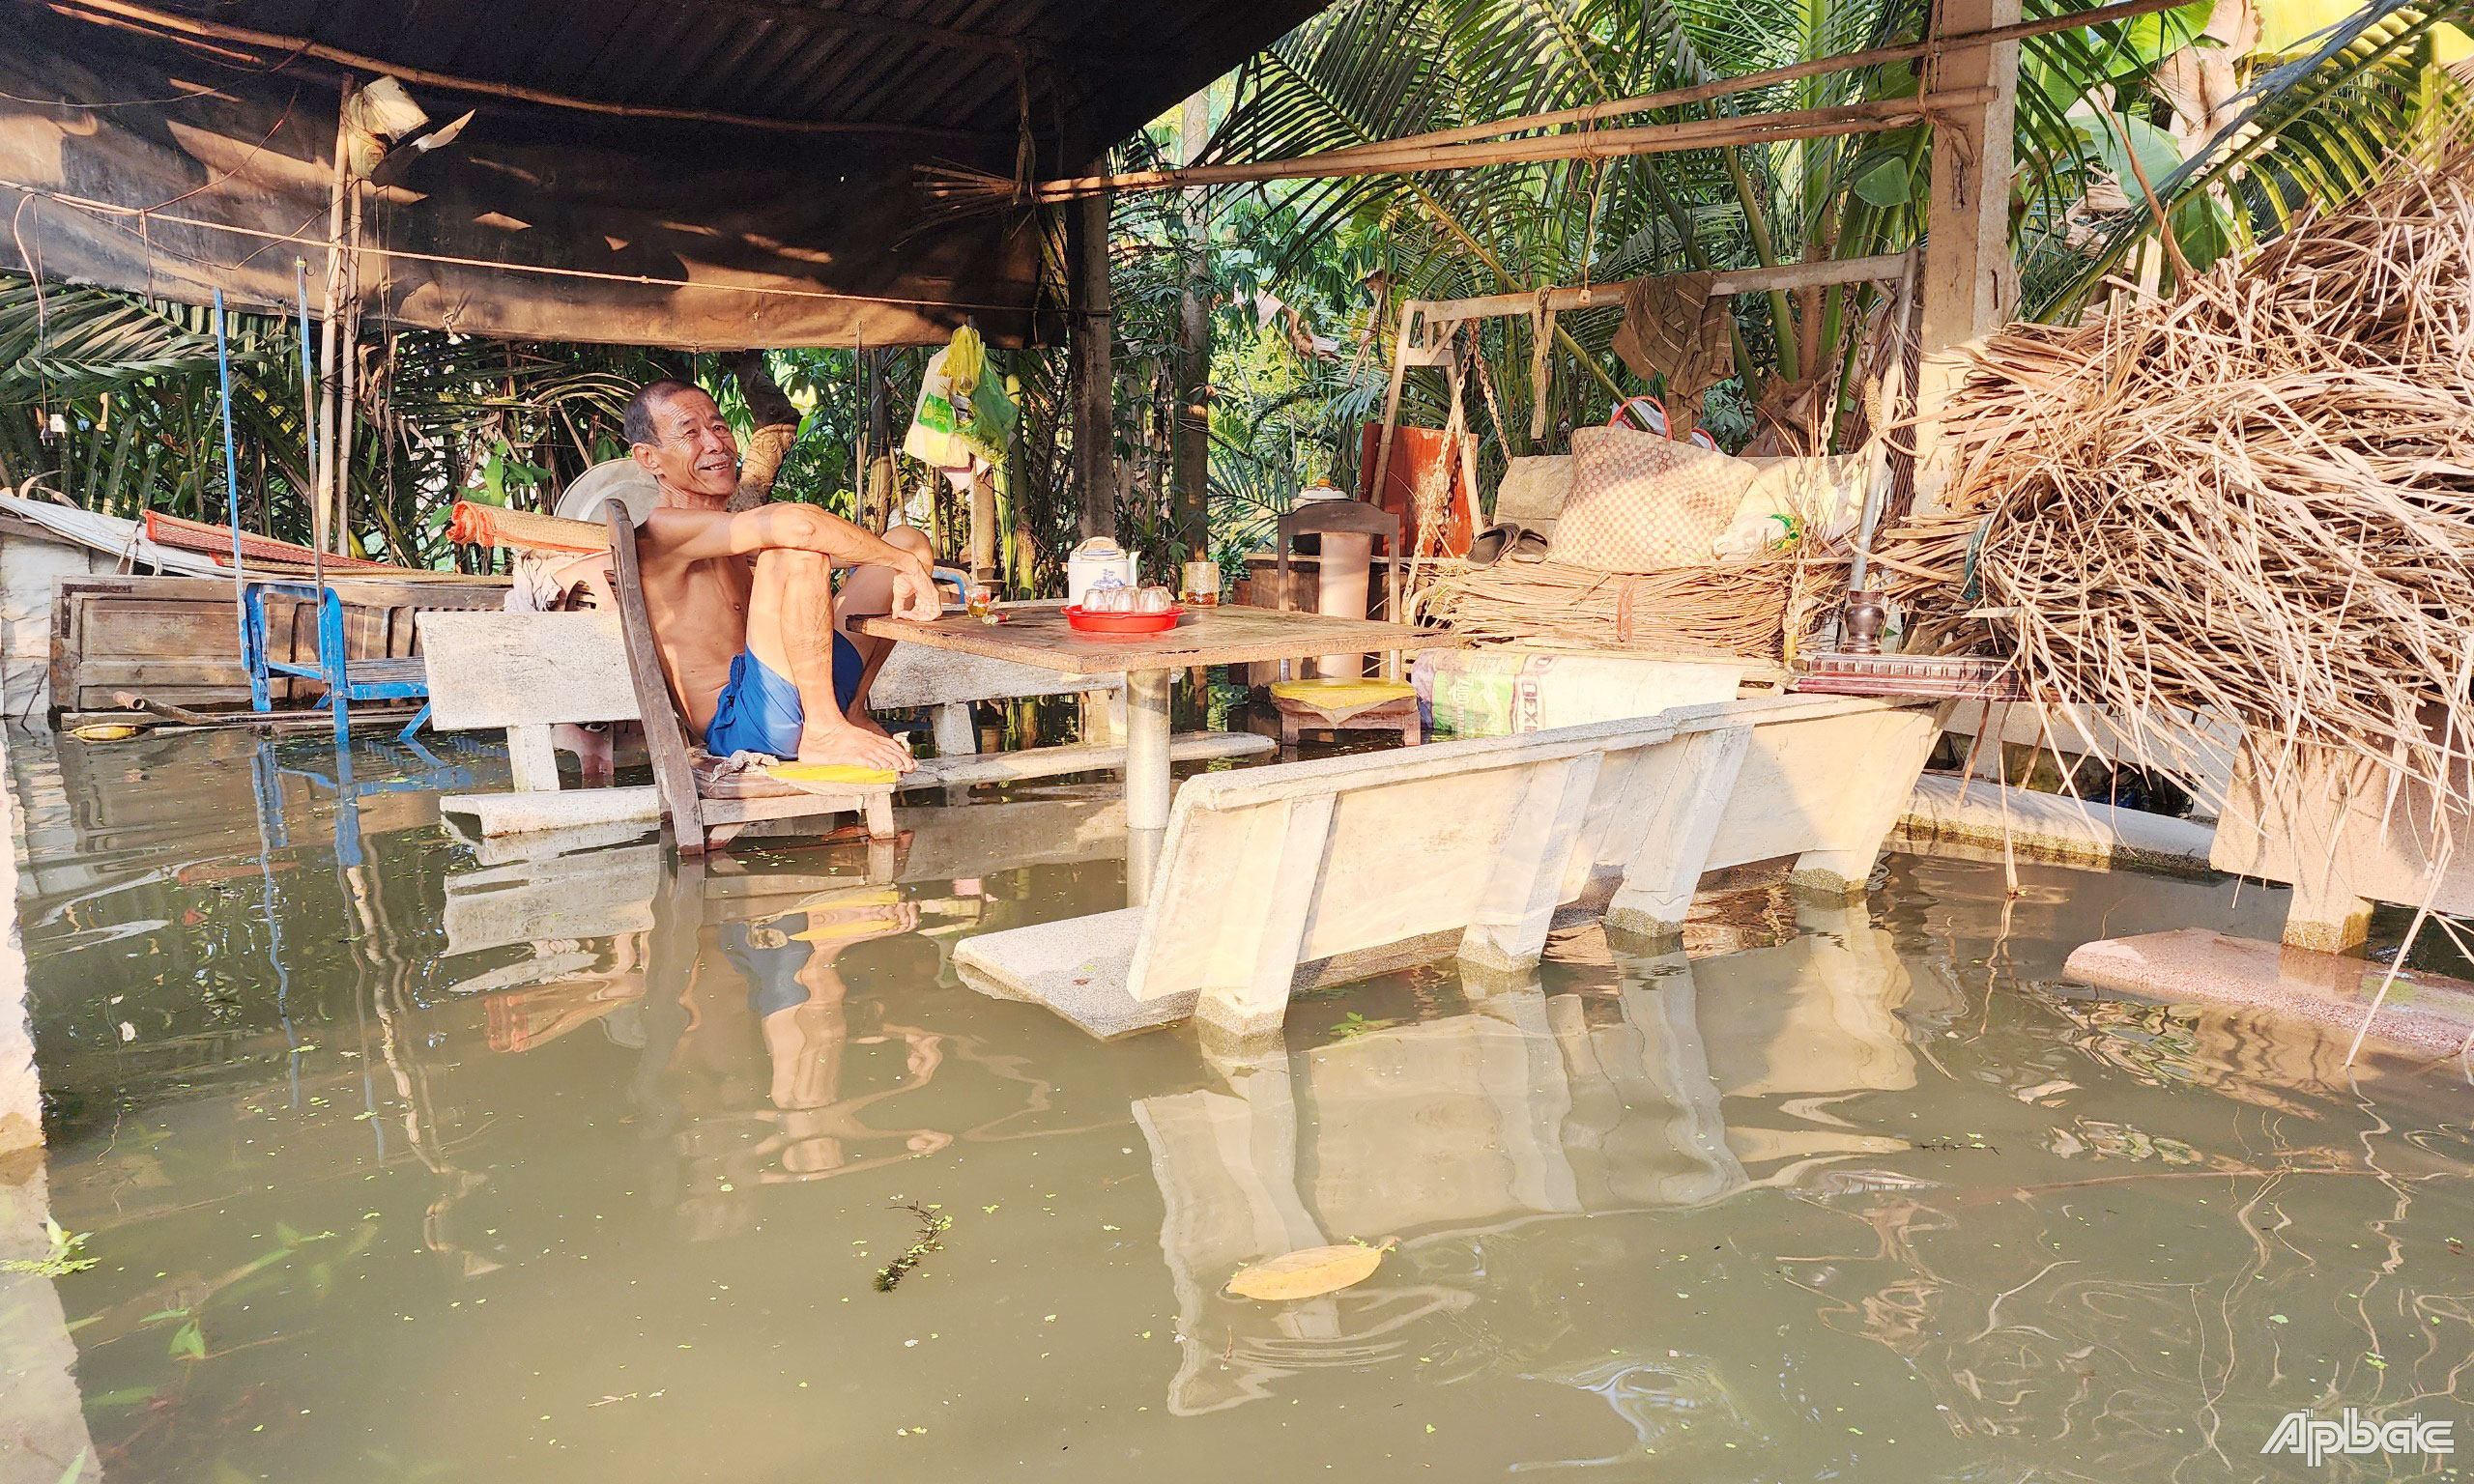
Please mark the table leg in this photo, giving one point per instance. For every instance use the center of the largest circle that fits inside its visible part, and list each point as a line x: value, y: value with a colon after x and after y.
x: 1141, y: 863
x: 1146, y: 750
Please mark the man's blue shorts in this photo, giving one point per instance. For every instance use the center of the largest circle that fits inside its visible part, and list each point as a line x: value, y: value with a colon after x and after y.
x: 772, y: 973
x: 760, y: 711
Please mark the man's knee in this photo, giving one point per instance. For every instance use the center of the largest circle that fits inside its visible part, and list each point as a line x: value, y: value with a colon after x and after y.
x: 783, y: 564
x: 911, y: 539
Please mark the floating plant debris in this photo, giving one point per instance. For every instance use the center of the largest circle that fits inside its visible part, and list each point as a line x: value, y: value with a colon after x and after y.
x: 933, y: 1226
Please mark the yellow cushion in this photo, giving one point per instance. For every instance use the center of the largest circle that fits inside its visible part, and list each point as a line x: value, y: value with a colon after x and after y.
x: 828, y: 773
x: 1340, y: 693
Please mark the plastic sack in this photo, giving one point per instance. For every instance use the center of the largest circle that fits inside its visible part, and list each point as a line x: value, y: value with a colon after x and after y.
x: 964, y: 412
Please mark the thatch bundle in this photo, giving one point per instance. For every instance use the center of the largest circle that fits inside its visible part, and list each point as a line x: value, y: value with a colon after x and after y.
x: 2256, y: 496
x: 1739, y: 611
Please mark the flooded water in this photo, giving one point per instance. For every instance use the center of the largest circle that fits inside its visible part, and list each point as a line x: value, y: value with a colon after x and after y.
x: 402, y: 1164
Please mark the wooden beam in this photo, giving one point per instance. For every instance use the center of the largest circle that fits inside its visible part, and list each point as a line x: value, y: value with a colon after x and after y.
x: 1969, y: 282
x: 1595, y: 114
x: 1404, y: 159
x: 890, y: 27
x: 1880, y: 268
x: 190, y: 29
x: 1588, y: 117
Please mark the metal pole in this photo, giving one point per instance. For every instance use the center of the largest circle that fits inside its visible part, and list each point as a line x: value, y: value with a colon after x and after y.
x: 1147, y: 787
x: 231, y: 476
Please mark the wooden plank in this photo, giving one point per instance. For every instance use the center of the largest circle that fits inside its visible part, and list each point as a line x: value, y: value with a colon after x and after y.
x: 1080, y: 758
x: 1666, y: 865
x: 1876, y: 268
x: 498, y: 816
x: 490, y: 670
x: 1038, y: 634
x: 1245, y: 987
x: 530, y: 762
x: 673, y: 774
x: 1507, y: 922
x: 924, y: 675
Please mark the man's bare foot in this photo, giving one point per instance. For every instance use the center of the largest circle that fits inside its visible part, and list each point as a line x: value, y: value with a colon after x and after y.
x: 850, y: 747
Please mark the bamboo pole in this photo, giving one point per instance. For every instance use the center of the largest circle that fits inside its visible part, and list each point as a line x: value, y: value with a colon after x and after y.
x: 344, y: 403
x: 1726, y: 87
x: 323, y: 494
x: 1869, y: 118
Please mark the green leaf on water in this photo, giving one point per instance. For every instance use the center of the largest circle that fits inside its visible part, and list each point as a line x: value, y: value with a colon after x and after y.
x: 76, y: 1467
x: 190, y: 1341
x: 284, y: 1233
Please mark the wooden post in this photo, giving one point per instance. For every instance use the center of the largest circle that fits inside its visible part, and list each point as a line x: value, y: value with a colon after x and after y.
x: 1095, y: 436
x: 1391, y: 402
x: 982, y: 522
x: 1970, y: 284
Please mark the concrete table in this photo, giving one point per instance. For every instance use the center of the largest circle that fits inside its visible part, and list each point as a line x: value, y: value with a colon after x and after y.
x: 1037, y: 634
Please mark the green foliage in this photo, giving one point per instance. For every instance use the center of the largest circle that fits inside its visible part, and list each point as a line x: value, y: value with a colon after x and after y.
x: 109, y: 402
x: 58, y: 1263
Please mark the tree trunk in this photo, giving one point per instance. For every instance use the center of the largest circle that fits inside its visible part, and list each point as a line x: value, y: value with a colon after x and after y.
x: 777, y: 424
x: 1094, y: 390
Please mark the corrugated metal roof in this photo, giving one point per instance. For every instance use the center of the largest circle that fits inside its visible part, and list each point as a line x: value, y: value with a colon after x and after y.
x: 773, y: 201
x: 1093, y: 69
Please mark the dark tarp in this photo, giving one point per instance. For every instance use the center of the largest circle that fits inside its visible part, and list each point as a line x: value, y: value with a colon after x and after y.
x: 712, y: 208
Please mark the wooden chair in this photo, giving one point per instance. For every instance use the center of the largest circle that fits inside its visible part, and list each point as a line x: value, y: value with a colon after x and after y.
x: 704, y: 811
x: 1345, y: 703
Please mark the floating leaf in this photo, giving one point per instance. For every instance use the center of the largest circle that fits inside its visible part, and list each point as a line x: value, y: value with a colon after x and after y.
x: 190, y: 1341
x: 1305, y: 1273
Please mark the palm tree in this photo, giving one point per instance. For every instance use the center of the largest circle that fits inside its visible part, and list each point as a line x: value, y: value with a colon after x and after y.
x: 2302, y: 126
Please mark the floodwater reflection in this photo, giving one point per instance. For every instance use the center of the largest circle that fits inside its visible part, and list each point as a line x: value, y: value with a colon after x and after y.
x: 404, y: 1158
x: 1524, y: 1105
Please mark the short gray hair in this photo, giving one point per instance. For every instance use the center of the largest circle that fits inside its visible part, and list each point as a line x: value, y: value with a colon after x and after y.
x: 638, y: 419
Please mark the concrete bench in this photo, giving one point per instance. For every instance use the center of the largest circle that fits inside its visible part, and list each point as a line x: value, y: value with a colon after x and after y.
x: 526, y: 674
x: 1319, y: 873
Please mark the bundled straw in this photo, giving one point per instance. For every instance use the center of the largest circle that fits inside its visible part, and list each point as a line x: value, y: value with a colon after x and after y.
x: 1741, y: 612
x: 2257, y: 496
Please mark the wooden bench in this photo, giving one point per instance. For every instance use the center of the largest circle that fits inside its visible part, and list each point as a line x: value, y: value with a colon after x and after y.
x: 1319, y: 873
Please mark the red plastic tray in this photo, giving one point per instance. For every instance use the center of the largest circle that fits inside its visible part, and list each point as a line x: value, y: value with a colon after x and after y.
x: 1123, y: 623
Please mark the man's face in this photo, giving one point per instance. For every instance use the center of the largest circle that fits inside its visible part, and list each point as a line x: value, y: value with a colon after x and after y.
x: 697, y: 455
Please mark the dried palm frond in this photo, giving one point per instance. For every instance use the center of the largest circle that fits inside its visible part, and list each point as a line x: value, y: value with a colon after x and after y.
x: 2257, y: 496
x: 1743, y: 611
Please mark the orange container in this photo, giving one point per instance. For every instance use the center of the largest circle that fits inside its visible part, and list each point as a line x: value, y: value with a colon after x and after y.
x: 1419, y: 457
x: 1122, y: 623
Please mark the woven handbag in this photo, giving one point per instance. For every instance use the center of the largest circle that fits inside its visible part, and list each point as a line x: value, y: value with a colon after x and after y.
x: 1641, y: 503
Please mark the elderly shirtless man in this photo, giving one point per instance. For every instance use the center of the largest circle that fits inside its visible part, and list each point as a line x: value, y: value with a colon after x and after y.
x: 743, y: 605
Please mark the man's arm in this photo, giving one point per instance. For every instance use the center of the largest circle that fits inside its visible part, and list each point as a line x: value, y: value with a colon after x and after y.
x: 682, y: 536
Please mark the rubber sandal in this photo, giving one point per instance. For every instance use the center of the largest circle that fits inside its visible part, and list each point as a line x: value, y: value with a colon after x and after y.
x: 1486, y: 547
